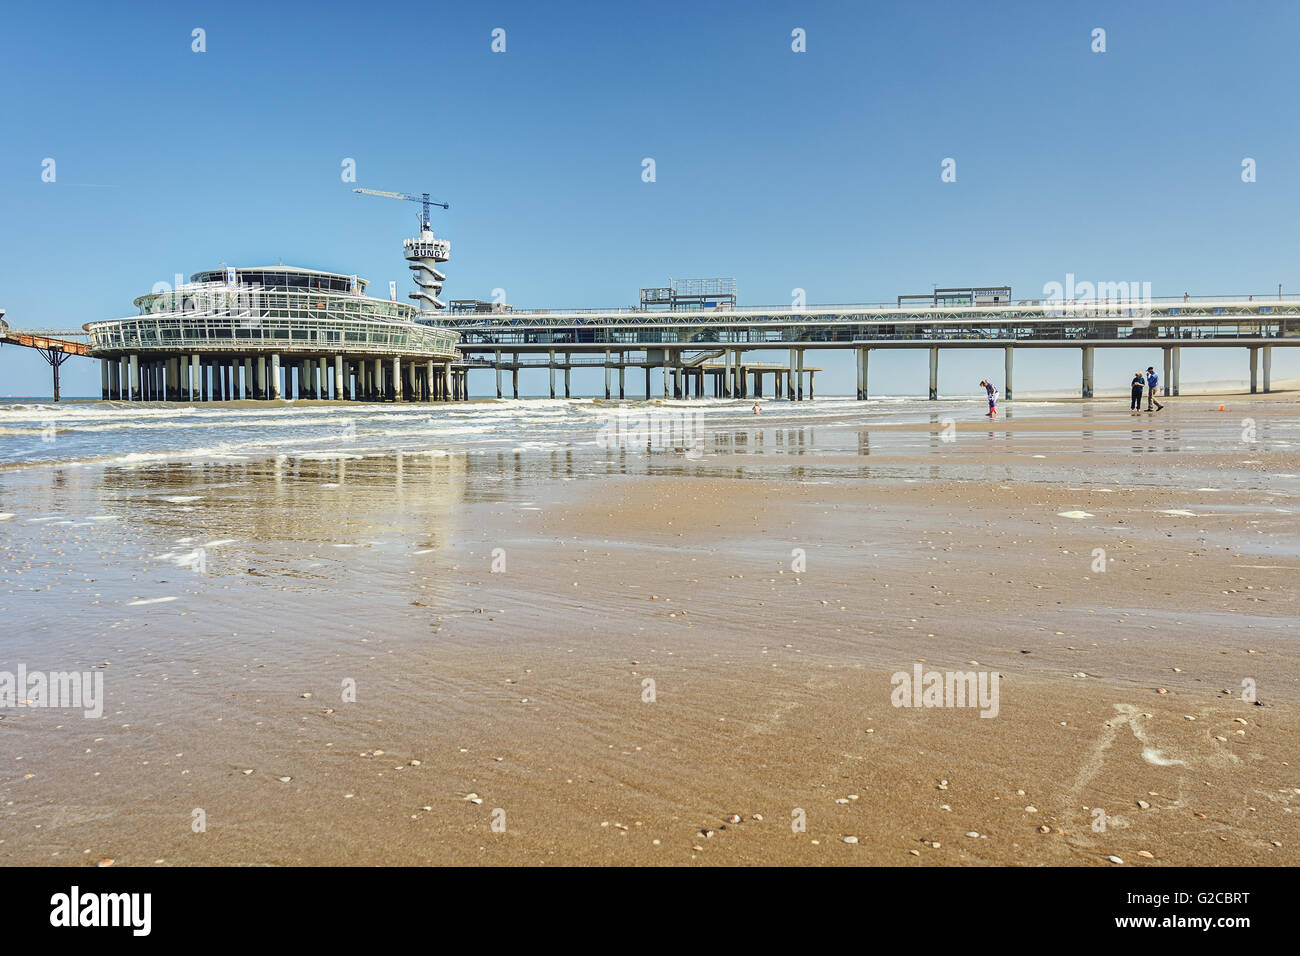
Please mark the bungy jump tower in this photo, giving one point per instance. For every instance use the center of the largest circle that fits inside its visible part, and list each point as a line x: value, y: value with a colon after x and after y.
x: 278, y: 332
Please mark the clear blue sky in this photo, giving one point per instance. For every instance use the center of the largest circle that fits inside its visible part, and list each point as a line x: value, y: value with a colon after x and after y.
x: 818, y: 170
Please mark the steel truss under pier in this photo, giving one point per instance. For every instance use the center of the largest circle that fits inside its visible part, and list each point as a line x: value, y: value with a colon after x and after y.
x: 56, y: 347
x: 684, y: 375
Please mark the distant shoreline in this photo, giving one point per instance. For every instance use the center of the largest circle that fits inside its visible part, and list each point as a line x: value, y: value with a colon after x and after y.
x: 1291, y: 389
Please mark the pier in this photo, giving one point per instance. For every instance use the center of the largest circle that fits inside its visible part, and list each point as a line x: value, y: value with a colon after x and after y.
x: 217, y: 341
x: 55, y: 347
x: 677, y: 341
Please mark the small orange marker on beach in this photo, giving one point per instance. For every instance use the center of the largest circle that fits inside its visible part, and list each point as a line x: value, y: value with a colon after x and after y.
x: 1222, y: 409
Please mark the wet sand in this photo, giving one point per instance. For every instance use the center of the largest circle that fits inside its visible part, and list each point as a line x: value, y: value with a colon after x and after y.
x: 524, y: 686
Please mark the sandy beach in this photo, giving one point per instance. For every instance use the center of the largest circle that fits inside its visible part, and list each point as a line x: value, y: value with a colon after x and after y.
x: 580, y: 654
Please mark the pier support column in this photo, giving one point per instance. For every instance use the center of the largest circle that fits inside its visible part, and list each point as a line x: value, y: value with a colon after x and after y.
x: 799, y: 382
x: 429, y: 380
x: 621, y: 370
x: 812, y: 389
x: 1254, y: 369
x: 550, y: 367
x: 1087, y: 371
x: 1173, y: 376
x: 276, y: 392
x: 135, y: 377
x: 1009, y: 364
x: 934, y: 373
x: 338, y: 378
x: 607, y: 375
x: 397, y: 378
x: 568, y: 367
x: 726, y: 373
x: 647, y: 383
x: 1168, y: 370
x: 861, y: 355
x: 103, y: 379
x: 446, y: 380
x: 498, y: 367
x: 1268, y: 367
x: 114, y: 378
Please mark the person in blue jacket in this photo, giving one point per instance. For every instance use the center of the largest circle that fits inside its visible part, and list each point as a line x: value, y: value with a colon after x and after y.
x: 1153, y: 382
x: 1135, y: 389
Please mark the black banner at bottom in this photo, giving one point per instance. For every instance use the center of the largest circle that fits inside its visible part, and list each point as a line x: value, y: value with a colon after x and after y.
x: 335, y: 905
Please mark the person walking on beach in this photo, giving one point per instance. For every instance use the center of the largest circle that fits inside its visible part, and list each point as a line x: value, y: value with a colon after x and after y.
x: 992, y: 391
x: 1137, y: 384
x: 1153, y: 381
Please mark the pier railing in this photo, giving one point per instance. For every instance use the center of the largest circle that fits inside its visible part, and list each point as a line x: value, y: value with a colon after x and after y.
x: 1178, y: 321
x: 191, y: 333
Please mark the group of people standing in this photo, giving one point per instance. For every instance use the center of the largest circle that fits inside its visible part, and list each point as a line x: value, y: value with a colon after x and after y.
x: 1152, y: 384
